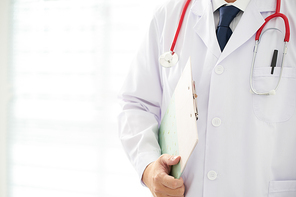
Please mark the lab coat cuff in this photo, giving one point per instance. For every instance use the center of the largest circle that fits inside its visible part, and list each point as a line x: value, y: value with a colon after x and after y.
x: 144, y: 160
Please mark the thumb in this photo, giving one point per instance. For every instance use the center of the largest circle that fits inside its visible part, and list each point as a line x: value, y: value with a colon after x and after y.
x: 169, y: 160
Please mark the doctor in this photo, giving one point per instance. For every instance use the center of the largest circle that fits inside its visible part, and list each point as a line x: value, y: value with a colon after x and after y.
x: 247, y: 142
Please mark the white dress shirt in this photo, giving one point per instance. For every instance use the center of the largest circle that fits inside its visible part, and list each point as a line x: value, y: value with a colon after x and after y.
x: 241, y: 4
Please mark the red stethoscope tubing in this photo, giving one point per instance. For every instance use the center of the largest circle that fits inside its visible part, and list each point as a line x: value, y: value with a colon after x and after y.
x: 275, y: 15
x: 180, y: 25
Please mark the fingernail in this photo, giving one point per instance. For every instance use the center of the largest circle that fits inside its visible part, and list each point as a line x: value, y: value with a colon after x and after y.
x: 174, y: 158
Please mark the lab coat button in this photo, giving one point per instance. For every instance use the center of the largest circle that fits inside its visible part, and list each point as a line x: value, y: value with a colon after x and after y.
x: 216, y: 122
x: 212, y: 175
x: 219, y: 69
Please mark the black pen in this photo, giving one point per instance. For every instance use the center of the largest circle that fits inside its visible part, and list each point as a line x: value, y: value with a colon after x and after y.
x: 273, y: 61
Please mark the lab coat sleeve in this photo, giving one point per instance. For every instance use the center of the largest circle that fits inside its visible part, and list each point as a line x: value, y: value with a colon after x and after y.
x: 140, y: 99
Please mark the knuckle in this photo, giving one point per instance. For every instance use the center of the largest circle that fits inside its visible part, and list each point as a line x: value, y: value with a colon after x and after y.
x: 175, y: 185
x: 154, y: 179
x: 179, y: 192
x: 157, y: 178
x: 182, y: 181
x: 157, y: 190
x: 162, y: 157
x: 182, y: 190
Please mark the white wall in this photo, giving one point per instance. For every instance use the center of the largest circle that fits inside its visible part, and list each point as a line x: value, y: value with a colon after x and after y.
x: 4, y: 60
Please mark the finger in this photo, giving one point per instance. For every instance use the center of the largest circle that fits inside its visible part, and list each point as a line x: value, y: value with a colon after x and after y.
x: 162, y: 190
x: 170, y: 182
x: 163, y: 195
x: 169, y: 160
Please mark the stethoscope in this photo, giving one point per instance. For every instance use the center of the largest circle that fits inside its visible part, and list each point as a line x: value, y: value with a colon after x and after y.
x: 257, y: 41
x: 170, y: 58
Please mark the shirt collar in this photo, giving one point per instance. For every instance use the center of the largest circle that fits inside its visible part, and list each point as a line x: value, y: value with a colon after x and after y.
x: 241, y: 4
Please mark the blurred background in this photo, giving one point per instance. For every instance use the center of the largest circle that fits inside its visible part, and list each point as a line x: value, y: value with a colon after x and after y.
x: 62, y: 65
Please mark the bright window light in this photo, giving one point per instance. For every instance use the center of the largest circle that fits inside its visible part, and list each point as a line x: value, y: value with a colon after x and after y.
x: 69, y: 59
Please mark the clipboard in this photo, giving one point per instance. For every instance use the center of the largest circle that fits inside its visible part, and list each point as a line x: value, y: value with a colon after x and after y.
x: 178, y: 130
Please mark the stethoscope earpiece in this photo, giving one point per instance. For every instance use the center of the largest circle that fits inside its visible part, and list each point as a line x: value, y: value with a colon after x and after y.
x: 272, y: 92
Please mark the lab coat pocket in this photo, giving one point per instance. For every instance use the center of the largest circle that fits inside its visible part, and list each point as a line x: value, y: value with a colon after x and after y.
x: 282, y: 189
x: 281, y: 106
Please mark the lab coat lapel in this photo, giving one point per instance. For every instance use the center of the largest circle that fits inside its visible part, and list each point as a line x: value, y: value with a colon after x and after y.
x: 249, y: 23
x: 205, y: 27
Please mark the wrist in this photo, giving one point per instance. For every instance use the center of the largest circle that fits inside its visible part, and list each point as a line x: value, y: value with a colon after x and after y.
x: 145, y: 176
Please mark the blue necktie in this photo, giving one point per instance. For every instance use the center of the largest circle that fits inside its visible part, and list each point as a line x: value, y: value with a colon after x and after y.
x: 227, y: 14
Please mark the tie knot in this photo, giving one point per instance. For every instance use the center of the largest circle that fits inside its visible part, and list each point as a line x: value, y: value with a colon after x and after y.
x: 227, y: 14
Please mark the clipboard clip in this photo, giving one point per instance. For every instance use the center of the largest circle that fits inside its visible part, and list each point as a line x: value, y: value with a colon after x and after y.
x: 194, y: 100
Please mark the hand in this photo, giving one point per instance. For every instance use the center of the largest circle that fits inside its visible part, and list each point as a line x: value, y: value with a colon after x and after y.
x: 159, y: 182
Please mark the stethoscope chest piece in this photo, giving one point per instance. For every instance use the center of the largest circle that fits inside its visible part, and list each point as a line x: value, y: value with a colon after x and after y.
x: 168, y: 59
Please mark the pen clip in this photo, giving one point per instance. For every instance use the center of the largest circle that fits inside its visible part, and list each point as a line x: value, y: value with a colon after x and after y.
x: 273, y: 61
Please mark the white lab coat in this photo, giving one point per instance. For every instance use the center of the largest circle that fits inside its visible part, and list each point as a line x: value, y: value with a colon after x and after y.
x: 247, y: 143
